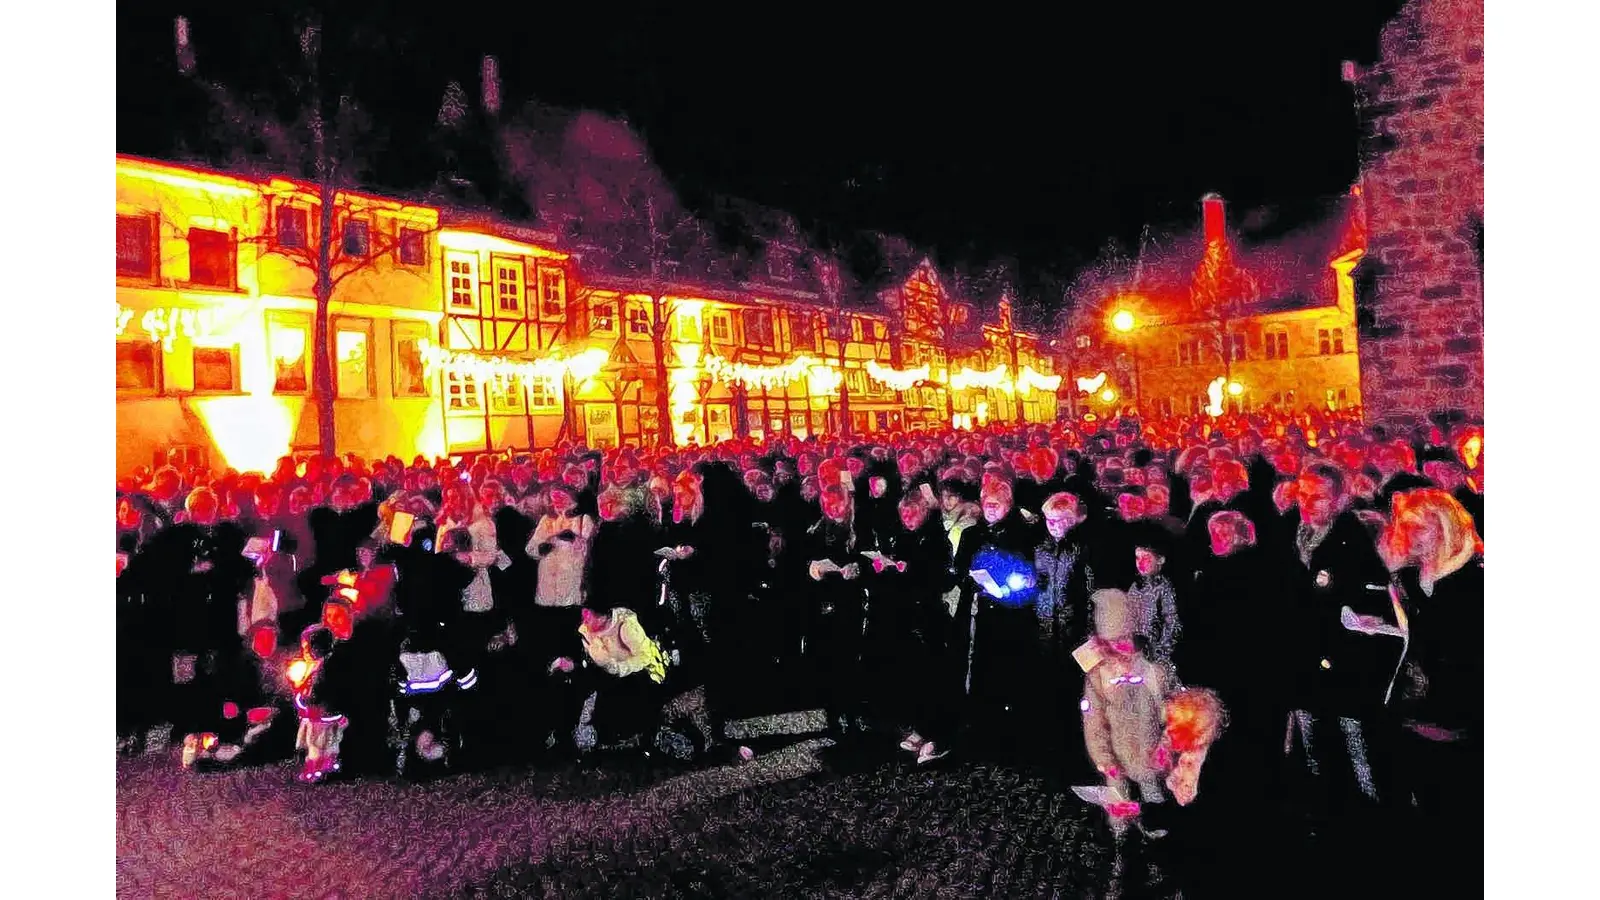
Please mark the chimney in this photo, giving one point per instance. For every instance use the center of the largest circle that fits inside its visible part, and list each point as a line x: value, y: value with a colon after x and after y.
x: 185, y: 52
x: 491, y: 85
x: 1215, y: 219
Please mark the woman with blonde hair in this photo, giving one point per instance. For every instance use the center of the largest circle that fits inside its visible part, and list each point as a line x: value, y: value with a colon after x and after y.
x: 1437, y: 558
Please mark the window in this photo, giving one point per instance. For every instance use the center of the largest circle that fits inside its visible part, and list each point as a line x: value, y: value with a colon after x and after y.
x: 1239, y: 347
x: 1330, y: 341
x: 463, y: 274
x: 1189, y: 353
x: 758, y: 328
x: 139, y: 366
x: 461, y: 392
x: 856, y: 380
x: 292, y: 226
x: 857, y: 330
x: 542, y: 394
x: 352, y: 358
x: 412, y: 248
x: 1331, y: 399
x: 721, y: 327
x: 819, y: 331
x: 410, y: 373
x: 1344, y: 398
x: 288, y: 336
x: 214, y: 370
x: 357, y: 238
x: 603, y: 318
x: 136, y: 247
x: 212, y: 258
x: 780, y: 266
x: 552, y: 293
x: 880, y: 330
x: 508, y: 286
x: 638, y: 319
x: 1277, y: 344
x: 1085, y: 342
x: 688, y: 328
x: 505, y: 396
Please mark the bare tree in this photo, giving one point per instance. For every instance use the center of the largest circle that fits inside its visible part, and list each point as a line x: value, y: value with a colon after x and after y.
x: 1222, y: 291
x: 590, y: 177
x: 324, y: 140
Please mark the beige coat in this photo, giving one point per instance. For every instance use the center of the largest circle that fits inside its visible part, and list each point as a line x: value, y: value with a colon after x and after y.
x: 1123, y: 721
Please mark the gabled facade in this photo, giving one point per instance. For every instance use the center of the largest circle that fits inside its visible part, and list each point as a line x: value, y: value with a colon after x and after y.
x: 215, y: 318
x: 1286, y: 339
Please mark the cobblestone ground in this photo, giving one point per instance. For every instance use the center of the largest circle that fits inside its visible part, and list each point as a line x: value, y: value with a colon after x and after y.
x: 798, y: 821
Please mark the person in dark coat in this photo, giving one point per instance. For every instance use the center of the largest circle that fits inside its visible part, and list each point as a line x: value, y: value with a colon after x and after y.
x: 1008, y: 669
x: 1438, y: 697
x: 835, y: 567
x: 908, y: 632
x: 1340, y: 676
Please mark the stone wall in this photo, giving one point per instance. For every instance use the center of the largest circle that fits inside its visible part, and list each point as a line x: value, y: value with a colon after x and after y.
x: 1420, y: 287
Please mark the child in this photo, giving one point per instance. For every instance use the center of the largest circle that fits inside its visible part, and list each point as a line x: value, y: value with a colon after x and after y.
x: 321, y: 725
x: 617, y: 643
x: 1122, y: 707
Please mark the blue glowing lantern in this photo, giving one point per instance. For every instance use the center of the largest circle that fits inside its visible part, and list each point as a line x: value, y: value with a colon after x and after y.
x: 1015, y: 584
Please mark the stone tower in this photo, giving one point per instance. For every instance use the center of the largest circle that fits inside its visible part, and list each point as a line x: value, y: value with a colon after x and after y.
x: 1420, y: 287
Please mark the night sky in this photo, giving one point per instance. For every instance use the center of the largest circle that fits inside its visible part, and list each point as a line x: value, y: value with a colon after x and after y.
x: 1037, y: 137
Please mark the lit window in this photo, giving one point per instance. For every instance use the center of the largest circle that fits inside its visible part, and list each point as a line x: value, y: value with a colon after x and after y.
x: 552, y: 293
x: 292, y: 227
x: 412, y: 248
x: 857, y: 330
x: 505, y: 396
x: 352, y: 349
x: 461, y: 392
x: 721, y: 327
x: 542, y: 393
x: 463, y: 273
x: 688, y: 328
x: 287, y: 338
x: 603, y: 318
x: 880, y: 330
x: 410, y: 373
x: 508, y: 286
x: 758, y: 328
x: 856, y: 380
x: 1338, y: 340
x: 1277, y: 344
x: 136, y: 246
x: 1189, y: 353
x: 214, y: 370
x: 357, y: 238
x: 212, y: 258
x: 138, y: 366
x: 638, y: 320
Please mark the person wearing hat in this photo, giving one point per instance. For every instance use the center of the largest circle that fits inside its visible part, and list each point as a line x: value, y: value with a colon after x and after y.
x: 1122, y: 704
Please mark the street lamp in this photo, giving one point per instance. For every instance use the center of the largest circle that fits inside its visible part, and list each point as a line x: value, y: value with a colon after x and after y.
x: 1108, y: 395
x: 1123, y: 322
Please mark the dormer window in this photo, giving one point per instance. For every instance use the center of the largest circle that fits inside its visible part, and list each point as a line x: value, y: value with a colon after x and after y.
x: 780, y: 267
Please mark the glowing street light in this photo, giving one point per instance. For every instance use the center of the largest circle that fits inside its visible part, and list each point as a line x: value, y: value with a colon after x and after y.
x: 1123, y: 321
x: 1108, y: 395
x: 1235, y: 388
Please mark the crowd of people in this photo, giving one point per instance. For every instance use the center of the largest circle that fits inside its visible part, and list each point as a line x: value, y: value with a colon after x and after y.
x: 1267, y: 616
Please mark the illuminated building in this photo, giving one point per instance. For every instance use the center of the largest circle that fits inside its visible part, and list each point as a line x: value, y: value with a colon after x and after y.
x: 215, y: 319
x: 1284, y: 335
x: 453, y: 334
x: 505, y: 296
x: 977, y: 373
